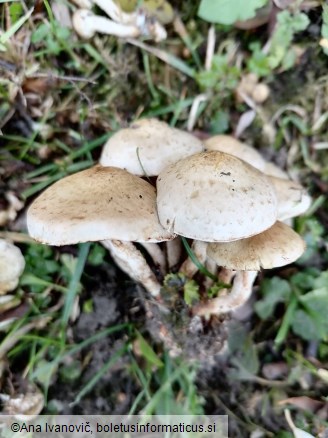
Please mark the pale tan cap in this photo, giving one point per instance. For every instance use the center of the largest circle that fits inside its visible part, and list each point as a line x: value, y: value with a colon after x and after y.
x: 272, y: 169
x: 96, y: 204
x: 147, y: 147
x: 213, y: 196
x: 230, y: 145
x: 12, y: 265
x: 277, y: 246
x: 293, y: 199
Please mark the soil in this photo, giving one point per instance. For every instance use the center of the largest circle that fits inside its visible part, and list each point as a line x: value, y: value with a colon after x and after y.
x: 117, y: 300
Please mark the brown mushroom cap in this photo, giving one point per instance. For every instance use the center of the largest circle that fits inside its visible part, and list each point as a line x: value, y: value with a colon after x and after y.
x: 96, y: 204
x: 147, y: 147
x: 232, y: 146
x: 277, y: 246
x: 213, y: 196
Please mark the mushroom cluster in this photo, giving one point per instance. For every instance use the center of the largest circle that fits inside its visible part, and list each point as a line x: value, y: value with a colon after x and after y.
x: 219, y: 193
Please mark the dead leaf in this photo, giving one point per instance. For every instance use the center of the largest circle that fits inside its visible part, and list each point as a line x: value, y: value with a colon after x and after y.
x: 38, y: 85
x: 273, y: 371
x: 303, y: 402
x: 246, y: 119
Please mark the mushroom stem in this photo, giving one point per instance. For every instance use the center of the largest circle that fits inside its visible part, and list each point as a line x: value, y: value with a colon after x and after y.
x: 240, y: 292
x: 188, y: 267
x: 226, y: 275
x: 156, y: 254
x: 212, y: 267
x: 87, y: 24
x: 173, y: 252
x: 132, y: 262
x: 115, y: 12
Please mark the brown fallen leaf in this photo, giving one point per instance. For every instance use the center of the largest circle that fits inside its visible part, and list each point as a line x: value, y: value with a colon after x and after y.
x: 273, y: 371
x: 39, y: 85
x: 303, y: 402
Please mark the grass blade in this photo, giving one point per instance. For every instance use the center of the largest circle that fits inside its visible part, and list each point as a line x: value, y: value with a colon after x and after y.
x: 88, y: 387
x: 73, y: 285
x: 196, y: 262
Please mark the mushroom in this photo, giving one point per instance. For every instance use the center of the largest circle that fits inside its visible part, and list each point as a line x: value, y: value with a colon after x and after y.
x: 227, y: 301
x: 272, y: 169
x: 293, y: 199
x: 148, y: 23
x: 86, y: 24
x: 12, y: 265
x: 173, y: 253
x: 213, y: 196
x: 147, y: 146
x: 275, y: 247
x: 115, y: 12
x: 230, y: 145
x: 125, y: 25
x: 101, y: 204
x: 144, y: 149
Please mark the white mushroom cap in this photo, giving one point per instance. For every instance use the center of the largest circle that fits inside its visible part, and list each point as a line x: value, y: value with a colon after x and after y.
x: 272, y: 169
x: 213, y: 196
x: 86, y: 24
x: 293, y: 199
x: 96, y: 204
x: 277, y: 246
x: 147, y: 147
x: 232, y: 146
x: 12, y: 265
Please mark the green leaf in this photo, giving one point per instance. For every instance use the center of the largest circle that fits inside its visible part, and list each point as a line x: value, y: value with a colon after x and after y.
x: 288, y: 24
x: 147, y: 352
x: 317, y: 301
x: 191, y: 292
x: 228, y: 11
x: 312, y: 322
x: 321, y: 281
x: 44, y: 371
x: 174, y: 280
x: 15, y: 10
x: 96, y: 255
x: 304, y: 281
x: 40, y: 33
x: 219, y: 123
x: 305, y: 326
x: 247, y: 362
x: 275, y: 290
x: 222, y: 78
x: 258, y: 63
